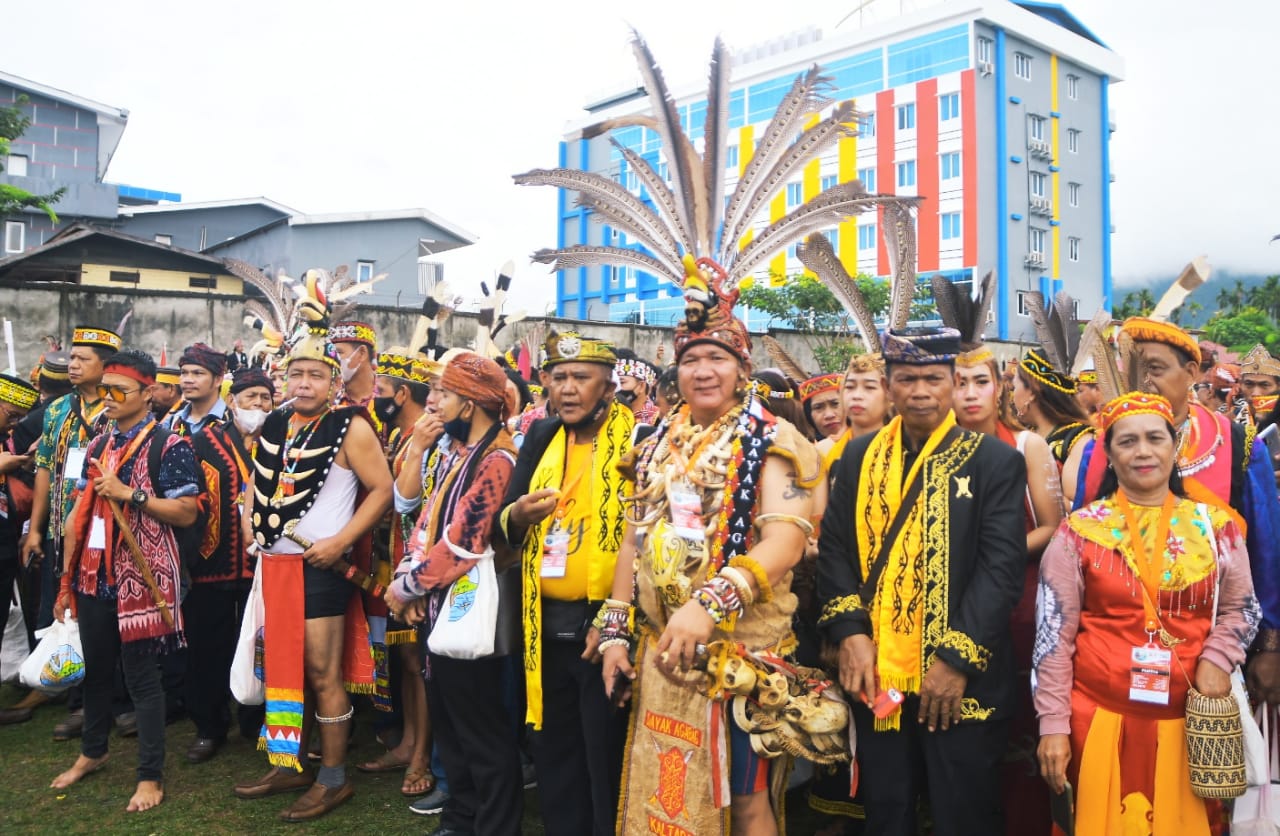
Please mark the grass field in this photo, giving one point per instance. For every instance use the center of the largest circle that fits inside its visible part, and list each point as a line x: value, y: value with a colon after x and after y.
x: 198, y: 798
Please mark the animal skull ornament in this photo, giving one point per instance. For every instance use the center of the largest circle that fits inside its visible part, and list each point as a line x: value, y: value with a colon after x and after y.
x: 773, y: 691
x: 816, y: 714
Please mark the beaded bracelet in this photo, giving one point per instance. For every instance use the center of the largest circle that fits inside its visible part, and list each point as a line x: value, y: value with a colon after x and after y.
x: 611, y: 605
x: 605, y: 644
x: 720, y: 599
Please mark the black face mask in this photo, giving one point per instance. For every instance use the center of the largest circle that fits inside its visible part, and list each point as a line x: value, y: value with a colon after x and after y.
x: 386, y: 408
x: 625, y: 397
x: 458, y: 428
x: 594, y: 415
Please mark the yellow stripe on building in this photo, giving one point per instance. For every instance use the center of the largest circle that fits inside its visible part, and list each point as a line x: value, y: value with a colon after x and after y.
x: 746, y: 148
x: 811, y: 178
x: 847, y: 239
x: 1055, y: 228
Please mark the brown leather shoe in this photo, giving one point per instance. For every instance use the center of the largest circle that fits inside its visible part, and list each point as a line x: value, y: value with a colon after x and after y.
x: 10, y: 716
x: 70, y: 727
x: 33, y: 699
x: 317, y: 801
x: 277, y: 780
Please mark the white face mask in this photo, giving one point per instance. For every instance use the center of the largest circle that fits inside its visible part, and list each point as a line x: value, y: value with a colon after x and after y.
x: 249, y: 420
x: 349, y: 369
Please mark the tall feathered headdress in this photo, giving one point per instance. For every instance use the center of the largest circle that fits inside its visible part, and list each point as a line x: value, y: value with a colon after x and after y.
x: 694, y: 235
x: 818, y: 255
x: 966, y: 314
x: 272, y: 315
x: 492, y: 317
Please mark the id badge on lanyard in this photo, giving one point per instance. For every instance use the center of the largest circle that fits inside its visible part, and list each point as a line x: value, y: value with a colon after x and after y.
x: 686, y: 511
x: 555, y: 552
x: 1150, y: 668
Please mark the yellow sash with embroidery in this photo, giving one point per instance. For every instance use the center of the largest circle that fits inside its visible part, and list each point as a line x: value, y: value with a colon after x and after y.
x: 610, y: 443
x: 897, y: 612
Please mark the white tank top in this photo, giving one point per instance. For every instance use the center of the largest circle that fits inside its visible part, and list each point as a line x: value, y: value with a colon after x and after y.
x: 333, y: 509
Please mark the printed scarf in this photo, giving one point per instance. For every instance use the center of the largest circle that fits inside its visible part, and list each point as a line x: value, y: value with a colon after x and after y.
x: 284, y: 632
x: 611, y: 442
x: 898, y: 609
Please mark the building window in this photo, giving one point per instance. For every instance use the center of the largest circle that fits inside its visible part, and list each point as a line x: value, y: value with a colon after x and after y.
x: 950, y: 226
x: 1073, y: 194
x: 829, y: 181
x: 1035, y: 241
x: 833, y: 236
x: 124, y: 277
x: 731, y: 157
x: 984, y: 50
x: 1073, y: 140
x: 907, y: 117
x: 950, y: 165
x: 1035, y: 128
x: 1022, y: 66
x: 1073, y: 249
x: 867, y: 125
x: 795, y: 195
x: 203, y: 282
x: 907, y: 173
x: 16, y: 166
x: 868, y: 178
x: 867, y: 237
x: 15, y: 236
x: 949, y: 107
x: 364, y: 271
x: 1023, y: 308
x: 162, y: 238
x: 1073, y: 87
x: 1036, y: 184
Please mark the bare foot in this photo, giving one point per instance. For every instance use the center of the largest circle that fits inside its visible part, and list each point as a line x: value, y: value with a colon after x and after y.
x: 149, y: 794
x: 82, y: 767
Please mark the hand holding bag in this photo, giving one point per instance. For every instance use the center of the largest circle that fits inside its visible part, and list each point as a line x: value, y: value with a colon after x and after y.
x: 57, y: 663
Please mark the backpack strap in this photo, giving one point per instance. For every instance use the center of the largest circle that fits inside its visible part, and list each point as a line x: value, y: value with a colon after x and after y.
x: 159, y: 438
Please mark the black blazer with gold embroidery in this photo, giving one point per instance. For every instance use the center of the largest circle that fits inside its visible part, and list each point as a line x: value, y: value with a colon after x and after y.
x: 975, y: 560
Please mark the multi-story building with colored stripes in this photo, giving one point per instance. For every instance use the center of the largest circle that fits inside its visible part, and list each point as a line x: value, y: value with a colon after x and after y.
x: 995, y: 112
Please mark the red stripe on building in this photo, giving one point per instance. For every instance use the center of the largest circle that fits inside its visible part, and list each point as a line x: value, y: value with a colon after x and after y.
x: 886, y: 175
x: 969, y: 166
x: 927, y: 174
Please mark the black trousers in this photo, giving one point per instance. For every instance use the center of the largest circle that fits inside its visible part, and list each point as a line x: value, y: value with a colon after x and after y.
x: 100, y: 637
x: 578, y: 752
x: 958, y: 768
x: 11, y: 570
x: 212, y: 613
x: 472, y: 727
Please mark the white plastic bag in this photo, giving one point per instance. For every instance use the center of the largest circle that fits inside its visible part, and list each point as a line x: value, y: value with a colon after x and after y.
x: 13, y: 648
x: 246, y: 685
x: 1257, y: 812
x: 468, y: 619
x: 57, y: 663
x: 1257, y: 757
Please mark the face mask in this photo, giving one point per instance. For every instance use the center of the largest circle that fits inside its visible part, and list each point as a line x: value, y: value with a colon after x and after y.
x: 249, y: 420
x: 592, y: 417
x: 349, y: 369
x: 386, y: 408
x: 459, y: 429
x: 625, y: 397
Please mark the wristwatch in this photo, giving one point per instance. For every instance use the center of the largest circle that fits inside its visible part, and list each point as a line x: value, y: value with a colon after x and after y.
x: 139, y: 497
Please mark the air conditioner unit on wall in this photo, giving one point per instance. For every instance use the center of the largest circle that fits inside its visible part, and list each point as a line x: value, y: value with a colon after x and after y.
x: 1034, y: 260
x: 985, y: 67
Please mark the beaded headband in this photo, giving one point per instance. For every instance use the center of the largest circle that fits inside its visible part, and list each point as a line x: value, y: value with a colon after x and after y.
x: 96, y: 336
x: 1145, y: 330
x: 762, y: 390
x: 352, y: 332
x: 1035, y: 365
x: 402, y: 367
x: 980, y: 355
x: 1133, y: 403
x: 626, y: 367
x: 1088, y: 377
x: 815, y: 386
x: 18, y: 392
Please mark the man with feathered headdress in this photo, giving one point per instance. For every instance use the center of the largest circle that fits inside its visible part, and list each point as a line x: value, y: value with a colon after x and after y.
x: 303, y: 518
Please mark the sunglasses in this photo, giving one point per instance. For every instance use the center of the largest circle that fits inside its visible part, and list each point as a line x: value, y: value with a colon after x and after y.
x: 116, y: 393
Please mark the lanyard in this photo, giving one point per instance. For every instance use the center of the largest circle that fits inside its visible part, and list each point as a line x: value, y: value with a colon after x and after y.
x: 1147, y: 569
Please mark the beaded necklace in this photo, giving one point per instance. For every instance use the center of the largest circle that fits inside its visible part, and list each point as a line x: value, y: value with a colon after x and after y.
x: 295, y: 441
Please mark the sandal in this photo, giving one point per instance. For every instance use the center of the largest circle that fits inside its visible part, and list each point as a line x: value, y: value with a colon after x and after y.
x: 386, y: 762
x: 417, y: 782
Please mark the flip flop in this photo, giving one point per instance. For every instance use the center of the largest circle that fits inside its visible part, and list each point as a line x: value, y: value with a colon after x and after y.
x: 417, y: 776
x: 383, y: 763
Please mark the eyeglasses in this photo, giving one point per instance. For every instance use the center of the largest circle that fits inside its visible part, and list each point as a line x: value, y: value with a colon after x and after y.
x: 116, y: 393
x: 1203, y: 387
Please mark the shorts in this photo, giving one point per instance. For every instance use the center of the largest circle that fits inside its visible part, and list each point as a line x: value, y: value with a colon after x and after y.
x: 748, y: 772
x: 327, y: 593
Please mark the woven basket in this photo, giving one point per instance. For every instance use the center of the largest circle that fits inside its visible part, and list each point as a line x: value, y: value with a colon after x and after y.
x: 1215, y: 746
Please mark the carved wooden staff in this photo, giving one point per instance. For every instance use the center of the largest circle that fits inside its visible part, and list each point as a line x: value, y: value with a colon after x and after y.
x: 349, y: 571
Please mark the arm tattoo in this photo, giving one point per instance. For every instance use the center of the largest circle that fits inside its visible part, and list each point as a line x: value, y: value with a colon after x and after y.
x: 794, y: 490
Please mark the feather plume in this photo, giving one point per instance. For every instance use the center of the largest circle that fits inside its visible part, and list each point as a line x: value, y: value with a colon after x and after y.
x: 610, y: 200
x: 124, y: 320
x: 585, y: 255
x: 1045, y: 334
x: 1096, y: 347
x: 659, y: 193
x: 1064, y: 311
x: 1193, y: 275
x: 715, y: 132
x: 958, y: 310
x: 811, y: 143
x: 668, y: 128
x: 801, y: 100
x: 784, y: 361
x: 817, y: 254
x: 899, y: 231
x: 1131, y: 362
x: 827, y: 209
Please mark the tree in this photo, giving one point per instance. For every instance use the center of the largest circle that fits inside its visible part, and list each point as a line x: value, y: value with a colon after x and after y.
x: 1136, y: 303
x: 1242, y: 330
x: 805, y: 304
x: 13, y: 123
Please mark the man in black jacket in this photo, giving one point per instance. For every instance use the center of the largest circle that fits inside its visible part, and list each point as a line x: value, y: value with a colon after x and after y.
x: 920, y: 563
x: 563, y: 513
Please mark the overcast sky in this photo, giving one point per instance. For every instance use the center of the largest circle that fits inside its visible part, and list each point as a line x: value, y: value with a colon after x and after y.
x: 341, y: 106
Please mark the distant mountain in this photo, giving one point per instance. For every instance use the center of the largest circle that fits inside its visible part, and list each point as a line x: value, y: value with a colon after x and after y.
x: 1206, y: 295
